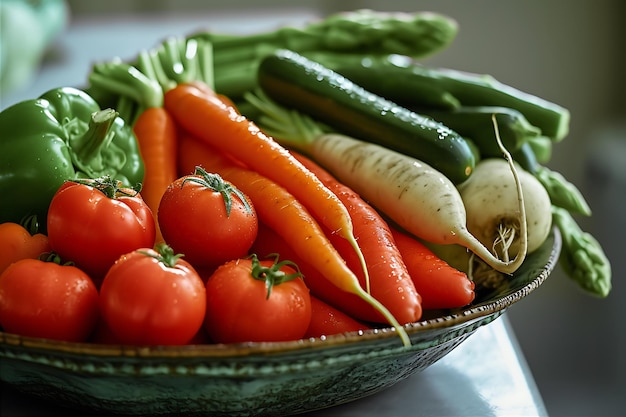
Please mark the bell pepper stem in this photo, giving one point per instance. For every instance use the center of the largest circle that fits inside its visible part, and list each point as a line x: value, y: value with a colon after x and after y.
x: 88, y: 147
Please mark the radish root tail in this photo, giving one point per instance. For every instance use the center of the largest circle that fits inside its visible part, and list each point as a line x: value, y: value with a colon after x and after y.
x: 506, y: 237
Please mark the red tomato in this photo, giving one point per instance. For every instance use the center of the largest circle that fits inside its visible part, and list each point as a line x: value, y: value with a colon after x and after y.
x: 153, y: 298
x: 256, y: 301
x: 45, y: 299
x: 207, y: 219
x: 17, y: 243
x: 103, y: 334
x: 93, y: 225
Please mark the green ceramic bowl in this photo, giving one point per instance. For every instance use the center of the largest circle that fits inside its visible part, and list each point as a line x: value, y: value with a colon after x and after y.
x: 260, y: 379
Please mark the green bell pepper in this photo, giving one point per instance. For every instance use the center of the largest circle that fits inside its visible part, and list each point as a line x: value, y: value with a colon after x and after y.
x: 59, y: 136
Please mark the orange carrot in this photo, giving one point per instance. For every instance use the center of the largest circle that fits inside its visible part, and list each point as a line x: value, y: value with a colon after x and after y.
x: 277, y: 208
x: 390, y: 281
x: 156, y: 135
x: 439, y: 284
x: 269, y: 242
x: 215, y: 122
x: 327, y: 320
x: 207, y: 89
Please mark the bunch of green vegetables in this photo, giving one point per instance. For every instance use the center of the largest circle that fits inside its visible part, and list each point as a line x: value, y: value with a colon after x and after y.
x: 379, y: 52
x: 229, y: 63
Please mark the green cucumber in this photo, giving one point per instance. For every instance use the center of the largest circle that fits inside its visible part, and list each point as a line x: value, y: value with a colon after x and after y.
x: 476, y: 122
x: 297, y: 82
x: 380, y: 75
x: 526, y: 158
x: 404, y: 80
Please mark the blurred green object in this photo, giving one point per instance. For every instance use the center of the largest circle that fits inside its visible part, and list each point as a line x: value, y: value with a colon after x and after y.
x: 27, y: 29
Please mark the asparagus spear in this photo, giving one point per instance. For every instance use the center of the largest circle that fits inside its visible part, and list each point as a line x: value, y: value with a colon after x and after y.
x: 414, y: 34
x: 363, y: 31
x: 582, y: 258
x: 563, y: 193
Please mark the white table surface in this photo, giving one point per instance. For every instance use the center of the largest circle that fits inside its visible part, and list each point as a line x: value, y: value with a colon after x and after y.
x: 486, y: 376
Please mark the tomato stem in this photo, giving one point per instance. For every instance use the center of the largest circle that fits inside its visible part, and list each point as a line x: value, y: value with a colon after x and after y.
x: 216, y: 183
x: 164, y: 254
x: 109, y: 186
x: 31, y: 223
x: 55, y: 258
x: 272, y: 275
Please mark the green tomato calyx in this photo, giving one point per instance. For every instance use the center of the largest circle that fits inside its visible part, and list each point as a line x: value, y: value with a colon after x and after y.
x: 165, y: 254
x: 216, y: 183
x: 109, y: 186
x: 272, y: 275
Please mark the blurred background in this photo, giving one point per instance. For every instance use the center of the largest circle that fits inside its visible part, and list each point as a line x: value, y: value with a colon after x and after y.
x: 569, y: 52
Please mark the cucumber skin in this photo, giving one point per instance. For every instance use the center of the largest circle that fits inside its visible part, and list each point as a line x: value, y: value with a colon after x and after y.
x: 381, y: 75
x: 476, y: 123
x: 297, y: 82
x: 526, y: 158
x: 469, y: 89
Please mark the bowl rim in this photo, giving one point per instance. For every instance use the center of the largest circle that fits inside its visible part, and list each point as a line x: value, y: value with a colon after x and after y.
x: 456, y: 317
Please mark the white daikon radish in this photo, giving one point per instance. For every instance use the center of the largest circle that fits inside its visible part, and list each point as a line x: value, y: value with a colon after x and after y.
x: 492, y: 208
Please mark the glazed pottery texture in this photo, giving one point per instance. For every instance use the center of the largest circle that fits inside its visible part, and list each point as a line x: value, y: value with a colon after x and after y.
x: 256, y: 379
